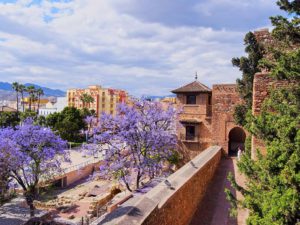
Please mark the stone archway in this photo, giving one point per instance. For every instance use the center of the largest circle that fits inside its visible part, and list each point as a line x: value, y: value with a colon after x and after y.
x: 237, y: 137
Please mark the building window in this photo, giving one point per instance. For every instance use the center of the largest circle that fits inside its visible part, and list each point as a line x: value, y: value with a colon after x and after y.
x: 209, y: 99
x: 191, y: 99
x: 190, y: 132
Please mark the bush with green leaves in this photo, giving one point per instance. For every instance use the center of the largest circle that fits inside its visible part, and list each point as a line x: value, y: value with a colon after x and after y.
x: 272, y: 191
x: 68, y: 124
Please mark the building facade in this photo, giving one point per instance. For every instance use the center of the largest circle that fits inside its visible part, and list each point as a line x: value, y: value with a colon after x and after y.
x: 105, y: 99
x: 7, y: 109
x: 35, y: 105
x: 194, y: 103
x: 53, y: 106
x: 206, y: 118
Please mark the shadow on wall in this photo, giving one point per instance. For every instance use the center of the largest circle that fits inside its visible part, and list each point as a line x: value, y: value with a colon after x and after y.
x: 214, y: 209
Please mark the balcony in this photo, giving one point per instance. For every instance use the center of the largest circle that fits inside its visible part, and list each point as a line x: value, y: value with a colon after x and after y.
x: 196, y: 110
x: 189, y: 138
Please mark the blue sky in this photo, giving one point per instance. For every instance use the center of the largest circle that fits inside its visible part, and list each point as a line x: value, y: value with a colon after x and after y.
x: 144, y: 46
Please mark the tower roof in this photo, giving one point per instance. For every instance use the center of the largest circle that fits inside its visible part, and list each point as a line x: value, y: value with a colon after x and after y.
x: 195, y: 87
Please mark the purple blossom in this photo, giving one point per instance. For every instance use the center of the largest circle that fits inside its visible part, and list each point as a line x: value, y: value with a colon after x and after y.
x: 31, y: 154
x: 138, y: 140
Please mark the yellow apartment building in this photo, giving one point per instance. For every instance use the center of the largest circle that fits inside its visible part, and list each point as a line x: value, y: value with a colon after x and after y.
x: 35, y: 104
x: 105, y: 99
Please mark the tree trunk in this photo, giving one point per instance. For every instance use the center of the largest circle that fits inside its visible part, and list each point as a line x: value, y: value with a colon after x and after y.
x: 126, y: 183
x: 17, y: 102
x: 29, y: 196
x: 22, y: 95
x: 127, y: 186
x: 138, y: 177
x: 29, y: 104
x: 39, y: 104
x: 31, y: 210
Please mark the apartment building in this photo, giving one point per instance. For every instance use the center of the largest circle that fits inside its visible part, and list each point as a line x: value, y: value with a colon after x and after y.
x: 34, y: 105
x: 105, y: 99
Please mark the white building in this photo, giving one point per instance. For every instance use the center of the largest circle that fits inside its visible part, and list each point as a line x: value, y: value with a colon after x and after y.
x: 54, y: 105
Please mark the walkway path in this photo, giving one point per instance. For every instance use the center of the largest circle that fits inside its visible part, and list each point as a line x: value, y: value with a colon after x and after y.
x: 13, y: 213
x: 215, y: 210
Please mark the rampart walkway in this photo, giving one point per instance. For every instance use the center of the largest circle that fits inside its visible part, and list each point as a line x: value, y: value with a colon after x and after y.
x: 214, y: 209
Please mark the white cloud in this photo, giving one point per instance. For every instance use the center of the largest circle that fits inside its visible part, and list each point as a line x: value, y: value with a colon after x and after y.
x: 86, y: 42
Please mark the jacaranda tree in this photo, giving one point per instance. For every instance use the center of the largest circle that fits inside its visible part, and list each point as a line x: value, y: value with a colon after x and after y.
x: 138, y: 141
x: 6, y: 157
x: 31, y: 154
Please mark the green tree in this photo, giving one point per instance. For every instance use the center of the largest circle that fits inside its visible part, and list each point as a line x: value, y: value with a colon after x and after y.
x: 22, y: 90
x: 68, y: 123
x: 86, y: 112
x: 32, y: 95
x: 86, y: 99
x: 272, y: 192
x: 41, y: 121
x: 52, y: 119
x: 28, y: 114
x: 39, y: 93
x: 9, y: 119
x: 16, y: 87
x: 248, y: 65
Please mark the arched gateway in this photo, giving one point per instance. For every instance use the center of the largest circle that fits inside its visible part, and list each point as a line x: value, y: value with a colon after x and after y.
x: 236, y: 137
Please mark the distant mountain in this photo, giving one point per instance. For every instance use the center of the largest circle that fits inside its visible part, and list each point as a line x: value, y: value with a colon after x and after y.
x: 158, y: 97
x: 4, y: 86
x: 48, y: 91
x: 7, y: 95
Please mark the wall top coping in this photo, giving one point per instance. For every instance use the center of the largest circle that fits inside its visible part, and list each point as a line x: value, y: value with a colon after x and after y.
x: 262, y: 74
x: 218, y: 85
x: 162, y: 191
x: 139, y: 210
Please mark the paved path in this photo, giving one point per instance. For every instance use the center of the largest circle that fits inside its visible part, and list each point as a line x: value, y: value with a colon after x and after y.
x: 13, y: 213
x: 215, y: 207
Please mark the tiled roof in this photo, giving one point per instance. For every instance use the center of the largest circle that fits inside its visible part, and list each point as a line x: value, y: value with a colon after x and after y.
x: 195, y: 86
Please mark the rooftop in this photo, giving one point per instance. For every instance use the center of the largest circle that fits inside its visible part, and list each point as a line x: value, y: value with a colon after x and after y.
x: 195, y: 87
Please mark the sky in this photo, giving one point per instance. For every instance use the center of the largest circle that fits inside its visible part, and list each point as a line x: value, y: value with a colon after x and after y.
x: 147, y: 47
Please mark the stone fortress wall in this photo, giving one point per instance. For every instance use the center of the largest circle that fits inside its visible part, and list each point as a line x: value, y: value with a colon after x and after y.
x: 262, y: 85
x: 172, y: 203
x: 225, y: 97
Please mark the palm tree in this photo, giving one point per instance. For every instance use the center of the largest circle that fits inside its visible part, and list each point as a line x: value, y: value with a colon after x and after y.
x: 32, y: 95
x: 22, y: 89
x: 39, y: 93
x: 16, y: 87
x: 86, y: 98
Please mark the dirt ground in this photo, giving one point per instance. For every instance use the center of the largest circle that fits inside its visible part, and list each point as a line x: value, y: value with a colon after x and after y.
x: 78, y: 196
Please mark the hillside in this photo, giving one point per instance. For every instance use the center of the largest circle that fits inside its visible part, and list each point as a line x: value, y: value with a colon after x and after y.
x: 6, y: 90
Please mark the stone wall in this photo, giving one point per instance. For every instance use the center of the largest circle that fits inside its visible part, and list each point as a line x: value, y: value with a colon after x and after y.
x: 261, y: 88
x: 198, y: 115
x: 75, y: 175
x: 224, y: 99
x: 175, y: 203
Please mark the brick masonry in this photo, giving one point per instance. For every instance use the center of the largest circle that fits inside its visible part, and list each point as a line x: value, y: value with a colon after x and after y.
x: 200, y: 112
x: 159, y: 206
x: 224, y: 99
x: 262, y: 85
